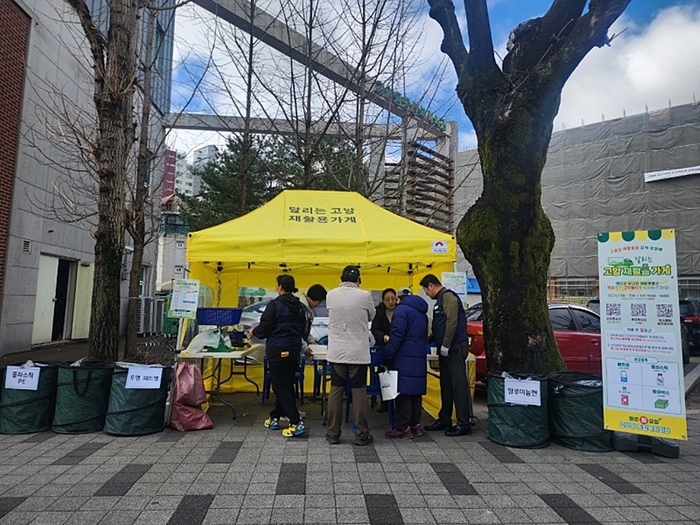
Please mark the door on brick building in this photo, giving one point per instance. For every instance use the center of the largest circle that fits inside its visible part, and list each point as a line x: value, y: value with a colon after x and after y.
x: 55, y: 295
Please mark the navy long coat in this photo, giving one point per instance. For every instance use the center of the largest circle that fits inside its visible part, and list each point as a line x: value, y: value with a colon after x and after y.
x: 407, y: 344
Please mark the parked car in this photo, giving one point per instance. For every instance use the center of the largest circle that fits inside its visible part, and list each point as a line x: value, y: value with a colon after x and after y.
x: 690, y: 310
x: 690, y: 324
x: 576, y: 329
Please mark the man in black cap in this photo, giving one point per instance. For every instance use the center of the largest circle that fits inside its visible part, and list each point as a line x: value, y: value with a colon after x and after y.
x: 350, y: 311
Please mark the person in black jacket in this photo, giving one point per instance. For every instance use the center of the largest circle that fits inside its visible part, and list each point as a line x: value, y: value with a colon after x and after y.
x: 283, y: 324
x: 381, y: 326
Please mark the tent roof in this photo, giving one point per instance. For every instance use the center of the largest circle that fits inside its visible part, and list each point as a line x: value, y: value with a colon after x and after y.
x: 320, y: 227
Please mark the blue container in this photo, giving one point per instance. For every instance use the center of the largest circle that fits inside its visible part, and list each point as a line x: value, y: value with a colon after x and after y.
x: 219, y: 316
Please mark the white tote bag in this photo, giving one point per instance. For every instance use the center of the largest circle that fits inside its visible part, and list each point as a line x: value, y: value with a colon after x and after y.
x: 389, y: 383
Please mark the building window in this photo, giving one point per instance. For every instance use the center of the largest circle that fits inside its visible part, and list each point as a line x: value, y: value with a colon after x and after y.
x: 575, y: 289
x: 688, y: 287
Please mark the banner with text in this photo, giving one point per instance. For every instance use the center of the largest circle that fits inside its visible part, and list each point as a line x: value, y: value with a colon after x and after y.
x: 643, y: 384
x: 185, y: 298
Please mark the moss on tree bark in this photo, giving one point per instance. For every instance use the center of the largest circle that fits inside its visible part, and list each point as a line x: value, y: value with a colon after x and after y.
x: 506, y: 235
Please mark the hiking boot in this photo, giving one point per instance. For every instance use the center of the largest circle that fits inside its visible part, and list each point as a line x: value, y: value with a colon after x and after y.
x: 368, y: 440
x: 416, y: 430
x: 399, y: 434
x: 272, y: 423
x: 295, y: 430
x: 332, y: 440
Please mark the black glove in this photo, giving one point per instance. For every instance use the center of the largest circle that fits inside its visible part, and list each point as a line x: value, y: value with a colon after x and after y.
x: 389, y: 363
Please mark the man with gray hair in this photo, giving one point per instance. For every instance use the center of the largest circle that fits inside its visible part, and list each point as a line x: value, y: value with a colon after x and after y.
x: 350, y: 311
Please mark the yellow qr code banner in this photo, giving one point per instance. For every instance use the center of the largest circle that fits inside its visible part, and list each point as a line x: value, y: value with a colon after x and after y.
x: 640, y: 324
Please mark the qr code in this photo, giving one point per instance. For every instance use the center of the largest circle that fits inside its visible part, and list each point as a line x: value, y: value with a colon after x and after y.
x: 664, y: 311
x: 638, y: 309
x: 613, y: 309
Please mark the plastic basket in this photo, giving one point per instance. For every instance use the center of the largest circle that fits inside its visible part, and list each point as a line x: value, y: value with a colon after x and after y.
x: 219, y: 316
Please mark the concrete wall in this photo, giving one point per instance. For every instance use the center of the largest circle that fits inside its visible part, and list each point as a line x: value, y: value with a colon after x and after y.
x: 55, y: 64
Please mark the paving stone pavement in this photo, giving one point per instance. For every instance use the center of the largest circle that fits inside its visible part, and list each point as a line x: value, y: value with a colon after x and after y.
x: 242, y: 473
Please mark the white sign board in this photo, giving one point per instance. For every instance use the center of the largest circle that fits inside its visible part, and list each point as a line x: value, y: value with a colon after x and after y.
x: 22, y: 377
x: 185, y: 298
x: 143, y: 377
x: 457, y: 282
x: 522, y: 392
x: 643, y: 384
x: 651, y: 176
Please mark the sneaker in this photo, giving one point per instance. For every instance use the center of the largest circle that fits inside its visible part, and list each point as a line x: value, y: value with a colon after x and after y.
x: 398, y: 434
x: 272, y: 423
x: 362, y: 442
x: 416, y: 430
x: 332, y: 440
x: 294, y: 430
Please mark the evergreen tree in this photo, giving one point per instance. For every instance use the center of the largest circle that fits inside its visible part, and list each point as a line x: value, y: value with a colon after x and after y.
x: 272, y: 166
x: 220, y: 195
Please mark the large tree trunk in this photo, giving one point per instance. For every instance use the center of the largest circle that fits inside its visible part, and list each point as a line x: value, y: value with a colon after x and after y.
x: 114, y: 66
x: 508, y: 239
x: 506, y: 235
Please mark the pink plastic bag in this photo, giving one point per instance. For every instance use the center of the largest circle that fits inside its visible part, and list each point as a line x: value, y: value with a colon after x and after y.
x: 189, y: 395
x: 189, y: 385
x: 184, y: 418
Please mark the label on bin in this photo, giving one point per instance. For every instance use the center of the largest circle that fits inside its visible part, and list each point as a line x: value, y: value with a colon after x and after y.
x: 522, y: 392
x: 144, y: 377
x: 22, y: 378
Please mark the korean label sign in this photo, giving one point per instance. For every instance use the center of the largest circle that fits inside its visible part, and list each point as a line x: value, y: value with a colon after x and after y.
x: 318, y: 215
x: 22, y: 378
x: 522, y: 392
x: 643, y: 384
x: 143, y: 377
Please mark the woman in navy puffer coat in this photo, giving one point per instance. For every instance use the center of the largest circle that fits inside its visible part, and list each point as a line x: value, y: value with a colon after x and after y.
x: 405, y: 353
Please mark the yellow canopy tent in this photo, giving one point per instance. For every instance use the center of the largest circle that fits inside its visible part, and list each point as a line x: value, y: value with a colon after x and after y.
x: 312, y: 235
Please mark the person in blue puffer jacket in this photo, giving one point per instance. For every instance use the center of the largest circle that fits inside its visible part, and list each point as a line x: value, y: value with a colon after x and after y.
x: 405, y: 353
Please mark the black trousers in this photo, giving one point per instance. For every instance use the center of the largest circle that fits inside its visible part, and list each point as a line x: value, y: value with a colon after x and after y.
x: 408, y: 411
x: 282, y: 378
x: 454, y: 386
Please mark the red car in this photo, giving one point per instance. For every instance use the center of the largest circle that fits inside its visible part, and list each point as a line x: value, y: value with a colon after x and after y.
x: 576, y: 329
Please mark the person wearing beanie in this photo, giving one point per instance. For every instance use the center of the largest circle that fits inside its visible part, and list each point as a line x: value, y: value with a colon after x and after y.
x: 283, y: 324
x: 350, y: 311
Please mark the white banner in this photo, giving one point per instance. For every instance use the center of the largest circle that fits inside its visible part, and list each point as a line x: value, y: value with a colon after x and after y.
x: 643, y: 384
x: 184, y: 299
